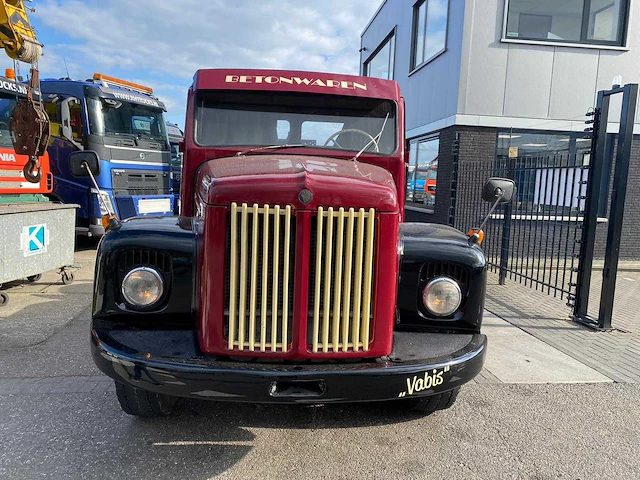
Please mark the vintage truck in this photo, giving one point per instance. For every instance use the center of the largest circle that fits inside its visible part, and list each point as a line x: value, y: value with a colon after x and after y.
x: 290, y: 276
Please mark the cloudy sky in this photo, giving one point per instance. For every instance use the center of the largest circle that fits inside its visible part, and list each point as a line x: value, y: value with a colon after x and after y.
x: 162, y: 43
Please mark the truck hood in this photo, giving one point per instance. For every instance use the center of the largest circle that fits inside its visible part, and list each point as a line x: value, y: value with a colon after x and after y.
x: 279, y: 179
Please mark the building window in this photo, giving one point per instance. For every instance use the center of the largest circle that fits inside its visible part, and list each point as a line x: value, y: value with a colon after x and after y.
x: 550, y: 168
x: 380, y: 63
x: 572, y: 21
x: 429, y: 39
x: 422, y: 174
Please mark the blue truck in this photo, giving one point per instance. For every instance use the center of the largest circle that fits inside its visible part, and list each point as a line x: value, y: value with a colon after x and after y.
x: 124, y: 124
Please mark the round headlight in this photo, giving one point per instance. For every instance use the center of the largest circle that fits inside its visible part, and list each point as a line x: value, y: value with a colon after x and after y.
x: 442, y: 296
x: 142, y: 287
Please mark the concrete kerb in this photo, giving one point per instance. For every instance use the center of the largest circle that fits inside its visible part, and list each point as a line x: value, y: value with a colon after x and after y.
x: 514, y: 356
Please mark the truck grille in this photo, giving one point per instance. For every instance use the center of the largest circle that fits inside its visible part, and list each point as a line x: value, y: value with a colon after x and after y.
x: 341, y: 275
x: 140, y: 182
x: 457, y: 271
x: 261, y: 249
x: 260, y: 279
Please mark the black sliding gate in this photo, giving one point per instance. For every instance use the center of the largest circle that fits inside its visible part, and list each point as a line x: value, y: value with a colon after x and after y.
x: 545, y: 238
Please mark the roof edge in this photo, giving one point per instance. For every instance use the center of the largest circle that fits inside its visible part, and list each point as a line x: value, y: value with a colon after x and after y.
x: 372, y: 18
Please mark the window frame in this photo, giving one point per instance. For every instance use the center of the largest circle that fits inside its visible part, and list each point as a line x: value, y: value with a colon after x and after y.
x: 623, y: 29
x: 392, y: 55
x: 414, y: 142
x: 413, y: 65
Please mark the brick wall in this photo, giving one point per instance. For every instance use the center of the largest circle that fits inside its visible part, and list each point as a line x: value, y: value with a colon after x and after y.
x: 629, y: 242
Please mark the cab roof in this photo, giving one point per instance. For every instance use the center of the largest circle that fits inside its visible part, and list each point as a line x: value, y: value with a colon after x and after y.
x: 295, y: 81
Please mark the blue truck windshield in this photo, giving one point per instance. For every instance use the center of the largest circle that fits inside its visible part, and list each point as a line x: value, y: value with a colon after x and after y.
x: 127, y: 119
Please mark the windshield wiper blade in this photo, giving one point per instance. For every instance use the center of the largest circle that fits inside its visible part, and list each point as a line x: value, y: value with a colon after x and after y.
x: 270, y: 147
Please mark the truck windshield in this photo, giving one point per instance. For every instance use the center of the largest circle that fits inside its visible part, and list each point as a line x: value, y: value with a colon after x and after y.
x: 268, y: 118
x: 125, y: 118
x: 6, y: 106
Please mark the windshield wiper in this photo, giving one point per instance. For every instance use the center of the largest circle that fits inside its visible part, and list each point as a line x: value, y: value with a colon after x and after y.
x: 373, y: 140
x: 270, y: 147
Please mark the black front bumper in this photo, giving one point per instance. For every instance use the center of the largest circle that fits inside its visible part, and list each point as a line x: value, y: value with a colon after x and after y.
x: 167, y: 362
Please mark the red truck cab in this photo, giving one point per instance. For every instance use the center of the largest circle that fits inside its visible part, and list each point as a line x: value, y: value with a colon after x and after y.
x: 13, y: 183
x: 290, y: 275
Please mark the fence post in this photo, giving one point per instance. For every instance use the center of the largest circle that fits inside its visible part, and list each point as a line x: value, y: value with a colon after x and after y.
x: 506, y: 228
x: 590, y: 222
x: 618, y: 196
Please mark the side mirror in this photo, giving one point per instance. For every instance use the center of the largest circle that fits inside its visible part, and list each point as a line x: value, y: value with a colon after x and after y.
x: 78, y: 160
x: 499, y: 190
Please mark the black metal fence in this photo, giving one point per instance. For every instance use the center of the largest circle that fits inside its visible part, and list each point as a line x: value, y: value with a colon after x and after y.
x: 545, y: 238
x: 536, y: 239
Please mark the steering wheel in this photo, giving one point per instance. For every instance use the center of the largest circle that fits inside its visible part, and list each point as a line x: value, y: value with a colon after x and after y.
x: 332, y: 138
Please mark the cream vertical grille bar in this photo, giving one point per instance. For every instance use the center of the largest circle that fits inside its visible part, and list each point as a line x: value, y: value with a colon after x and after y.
x: 341, y: 289
x: 260, y: 285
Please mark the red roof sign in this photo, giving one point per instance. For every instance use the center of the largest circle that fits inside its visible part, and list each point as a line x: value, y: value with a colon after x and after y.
x: 291, y: 80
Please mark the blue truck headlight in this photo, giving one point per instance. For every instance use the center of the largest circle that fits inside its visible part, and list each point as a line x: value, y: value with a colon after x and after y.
x: 442, y: 296
x: 142, y: 287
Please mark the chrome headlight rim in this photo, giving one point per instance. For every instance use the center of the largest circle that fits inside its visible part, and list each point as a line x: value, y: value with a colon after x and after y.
x: 132, y: 303
x: 435, y: 281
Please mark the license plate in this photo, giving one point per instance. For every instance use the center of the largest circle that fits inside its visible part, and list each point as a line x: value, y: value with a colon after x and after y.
x: 154, y: 205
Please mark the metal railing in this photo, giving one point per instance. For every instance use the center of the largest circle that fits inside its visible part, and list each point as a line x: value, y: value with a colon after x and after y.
x: 535, y: 239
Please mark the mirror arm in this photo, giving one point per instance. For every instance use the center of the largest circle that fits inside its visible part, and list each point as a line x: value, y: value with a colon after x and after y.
x: 473, y: 239
x: 113, y: 221
x: 493, y: 207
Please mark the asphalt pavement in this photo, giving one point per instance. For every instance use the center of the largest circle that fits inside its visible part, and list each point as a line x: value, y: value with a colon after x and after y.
x: 59, y: 418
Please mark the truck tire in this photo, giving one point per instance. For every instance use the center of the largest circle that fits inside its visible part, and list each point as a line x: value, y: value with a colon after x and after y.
x: 141, y: 403
x: 432, y: 403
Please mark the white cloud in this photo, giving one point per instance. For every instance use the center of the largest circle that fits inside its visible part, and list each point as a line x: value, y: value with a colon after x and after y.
x: 163, y: 43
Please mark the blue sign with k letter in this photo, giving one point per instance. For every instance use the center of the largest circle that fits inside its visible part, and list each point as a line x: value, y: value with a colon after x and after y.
x: 34, y: 239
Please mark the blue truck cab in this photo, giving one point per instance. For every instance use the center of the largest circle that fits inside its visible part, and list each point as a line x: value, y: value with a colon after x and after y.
x: 124, y: 124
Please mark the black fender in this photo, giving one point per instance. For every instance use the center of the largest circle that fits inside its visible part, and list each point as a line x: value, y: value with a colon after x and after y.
x: 166, y: 243
x: 431, y: 250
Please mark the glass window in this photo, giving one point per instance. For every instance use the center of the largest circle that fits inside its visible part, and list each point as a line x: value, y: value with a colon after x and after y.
x: 246, y: 118
x: 520, y: 143
x: 125, y: 119
x: 317, y: 132
x: 586, y: 21
x: 6, y: 106
x: 422, y: 175
x: 604, y: 20
x: 550, y: 151
x: 55, y: 121
x: 380, y: 64
x: 284, y: 128
x: 430, y: 18
x: 75, y: 121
